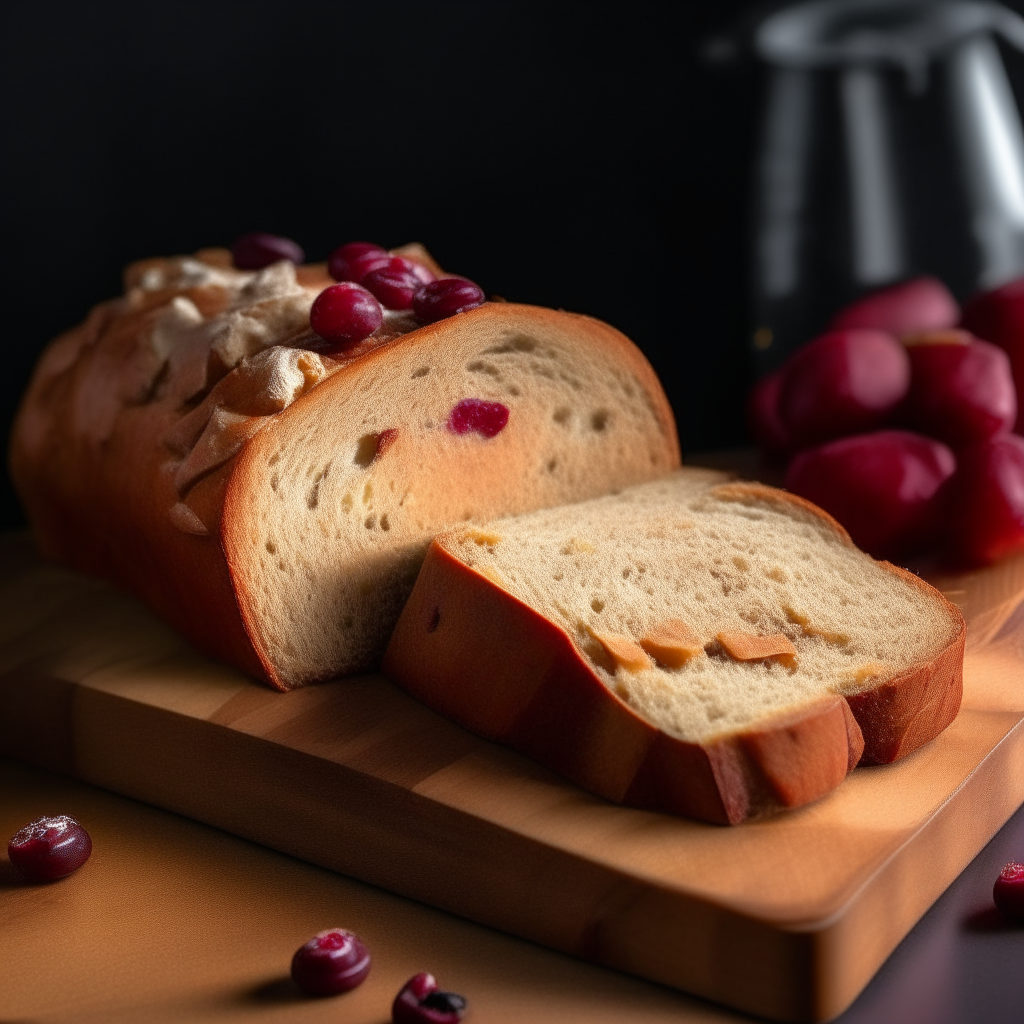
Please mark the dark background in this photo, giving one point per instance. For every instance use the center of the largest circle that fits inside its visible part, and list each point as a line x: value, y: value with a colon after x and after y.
x: 583, y: 156
x: 577, y: 156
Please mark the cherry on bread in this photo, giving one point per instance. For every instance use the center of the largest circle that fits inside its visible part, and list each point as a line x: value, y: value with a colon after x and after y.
x: 345, y: 314
x: 257, y: 250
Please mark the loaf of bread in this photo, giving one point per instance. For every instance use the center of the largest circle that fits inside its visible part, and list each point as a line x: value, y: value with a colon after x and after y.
x: 194, y: 443
x: 714, y: 649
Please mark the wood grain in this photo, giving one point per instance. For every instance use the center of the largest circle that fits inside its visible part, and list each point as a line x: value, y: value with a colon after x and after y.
x: 787, y: 918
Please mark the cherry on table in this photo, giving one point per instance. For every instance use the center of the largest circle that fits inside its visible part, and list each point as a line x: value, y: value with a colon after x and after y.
x: 333, y: 961
x: 49, y: 848
x: 885, y: 488
x: 923, y: 304
x: 258, y: 249
x: 345, y: 314
x: 844, y: 382
x: 445, y: 297
x: 1008, y: 892
x: 420, y: 1001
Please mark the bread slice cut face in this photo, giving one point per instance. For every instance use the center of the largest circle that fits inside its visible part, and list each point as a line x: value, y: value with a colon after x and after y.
x: 715, y: 649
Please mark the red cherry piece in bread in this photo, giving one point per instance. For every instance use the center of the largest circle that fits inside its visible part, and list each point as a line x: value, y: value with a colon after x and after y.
x: 396, y: 282
x: 420, y: 1001
x: 763, y: 417
x: 998, y: 316
x: 257, y: 250
x: 331, y: 962
x: 845, y: 382
x: 446, y: 297
x: 49, y: 848
x: 885, y: 488
x: 959, y: 393
x: 1008, y: 892
x: 924, y: 304
x: 474, y: 414
x: 340, y: 262
x: 986, y: 515
x: 345, y: 314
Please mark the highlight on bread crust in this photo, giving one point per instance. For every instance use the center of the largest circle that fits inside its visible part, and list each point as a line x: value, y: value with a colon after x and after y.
x: 196, y: 443
x: 717, y: 650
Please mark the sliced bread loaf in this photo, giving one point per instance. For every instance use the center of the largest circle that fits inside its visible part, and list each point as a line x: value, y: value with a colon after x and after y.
x: 714, y: 649
x: 195, y: 443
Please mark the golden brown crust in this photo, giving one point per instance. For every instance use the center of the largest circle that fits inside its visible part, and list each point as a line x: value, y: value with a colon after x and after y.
x: 898, y: 715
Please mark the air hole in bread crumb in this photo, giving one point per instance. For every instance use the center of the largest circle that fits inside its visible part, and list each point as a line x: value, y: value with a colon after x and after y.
x: 274, y: 481
x: 421, y: 372
x: 514, y: 391
x: 385, y: 523
x: 274, y: 459
x: 597, y: 604
x: 367, y: 494
x: 433, y: 620
x: 366, y: 450
x: 562, y: 415
x: 741, y: 563
x: 370, y: 522
x: 552, y: 465
x: 271, y: 547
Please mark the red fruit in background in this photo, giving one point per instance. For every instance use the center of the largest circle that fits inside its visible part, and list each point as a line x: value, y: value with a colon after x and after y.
x: 845, y: 382
x: 763, y: 417
x: 332, y: 962
x: 343, y: 264
x: 986, y: 514
x: 257, y: 250
x: 959, y: 393
x: 49, y: 848
x: 998, y: 316
x: 345, y: 314
x: 885, y: 488
x: 924, y: 304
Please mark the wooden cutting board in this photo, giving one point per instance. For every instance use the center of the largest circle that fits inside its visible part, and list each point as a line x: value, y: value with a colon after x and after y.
x: 788, y: 918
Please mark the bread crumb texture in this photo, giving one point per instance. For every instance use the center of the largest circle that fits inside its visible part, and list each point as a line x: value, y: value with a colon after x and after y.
x: 708, y: 612
x: 337, y: 521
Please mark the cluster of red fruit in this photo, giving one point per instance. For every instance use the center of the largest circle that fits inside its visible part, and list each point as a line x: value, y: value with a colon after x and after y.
x: 898, y: 422
x: 370, y: 281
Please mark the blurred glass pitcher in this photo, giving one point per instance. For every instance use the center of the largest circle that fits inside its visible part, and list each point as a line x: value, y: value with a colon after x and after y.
x: 891, y: 147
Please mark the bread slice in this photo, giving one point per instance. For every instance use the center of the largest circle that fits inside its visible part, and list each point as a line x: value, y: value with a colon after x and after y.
x: 191, y: 443
x: 714, y: 649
